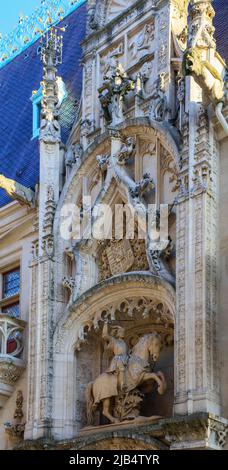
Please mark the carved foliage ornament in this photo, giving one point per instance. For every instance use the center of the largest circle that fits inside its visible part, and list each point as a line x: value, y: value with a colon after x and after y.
x: 17, y: 427
x: 142, y: 307
x: 50, y: 207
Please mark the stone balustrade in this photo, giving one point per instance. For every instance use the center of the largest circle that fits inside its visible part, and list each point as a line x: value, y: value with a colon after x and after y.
x: 11, y: 354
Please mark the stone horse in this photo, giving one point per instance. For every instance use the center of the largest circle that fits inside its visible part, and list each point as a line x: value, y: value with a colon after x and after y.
x: 104, y: 388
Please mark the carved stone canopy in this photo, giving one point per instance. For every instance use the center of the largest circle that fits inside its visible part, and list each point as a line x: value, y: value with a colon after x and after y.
x: 128, y: 296
x: 127, y: 308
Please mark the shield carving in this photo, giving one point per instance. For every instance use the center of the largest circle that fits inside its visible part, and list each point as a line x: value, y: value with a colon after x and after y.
x: 120, y: 256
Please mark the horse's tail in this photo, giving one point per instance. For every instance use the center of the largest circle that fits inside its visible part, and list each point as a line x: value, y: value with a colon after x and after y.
x: 90, y: 403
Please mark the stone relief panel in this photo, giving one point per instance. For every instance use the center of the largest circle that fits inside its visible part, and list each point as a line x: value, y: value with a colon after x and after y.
x: 88, y: 86
x: 141, y: 42
x: 163, y: 40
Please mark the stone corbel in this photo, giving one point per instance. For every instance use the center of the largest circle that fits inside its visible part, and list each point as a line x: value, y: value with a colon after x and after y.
x: 17, y: 191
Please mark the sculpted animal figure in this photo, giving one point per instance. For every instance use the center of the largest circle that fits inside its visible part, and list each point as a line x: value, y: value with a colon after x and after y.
x: 204, y: 74
x: 125, y: 373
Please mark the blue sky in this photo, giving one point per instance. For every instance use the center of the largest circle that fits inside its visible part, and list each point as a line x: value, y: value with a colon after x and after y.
x: 10, y: 11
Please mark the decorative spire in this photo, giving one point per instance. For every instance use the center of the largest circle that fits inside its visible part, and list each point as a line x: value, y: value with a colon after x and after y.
x: 201, y: 49
x: 51, y: 56
x: 30, y: 28
x: 201, y: 29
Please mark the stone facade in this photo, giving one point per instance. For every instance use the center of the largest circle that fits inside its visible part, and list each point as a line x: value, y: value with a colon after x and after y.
x: 152, y: 130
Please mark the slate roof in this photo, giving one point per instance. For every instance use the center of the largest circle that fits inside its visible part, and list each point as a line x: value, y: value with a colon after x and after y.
x: 221, y: 27
x: 19, y: 153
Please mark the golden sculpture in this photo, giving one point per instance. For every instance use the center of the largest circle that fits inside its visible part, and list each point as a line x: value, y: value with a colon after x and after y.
x: 17, y: 191
x: 117, y: 388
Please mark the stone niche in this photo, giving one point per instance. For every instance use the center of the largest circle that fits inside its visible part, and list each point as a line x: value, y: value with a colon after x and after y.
x: 93, y: 359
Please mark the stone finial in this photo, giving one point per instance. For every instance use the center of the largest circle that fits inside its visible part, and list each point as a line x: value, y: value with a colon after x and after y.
x: 51, y: 56
x: 48, y: 238
x: 201, y: 29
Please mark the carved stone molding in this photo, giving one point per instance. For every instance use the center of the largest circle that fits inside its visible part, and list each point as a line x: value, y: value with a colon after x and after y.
x: 10, y: 371
x: 200, y: 431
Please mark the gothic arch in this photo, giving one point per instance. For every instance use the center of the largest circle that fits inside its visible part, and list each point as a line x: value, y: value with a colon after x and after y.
x: 121, y: 441
x: 129, y: 127
x: 87, y: 266
x: 85, y: 317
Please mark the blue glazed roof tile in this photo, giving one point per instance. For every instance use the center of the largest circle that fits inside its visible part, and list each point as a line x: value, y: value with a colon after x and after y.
x: 19, y: 153
x: 221, y: 27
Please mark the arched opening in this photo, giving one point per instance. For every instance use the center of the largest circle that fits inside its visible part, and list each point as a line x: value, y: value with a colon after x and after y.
x: 141, y: 306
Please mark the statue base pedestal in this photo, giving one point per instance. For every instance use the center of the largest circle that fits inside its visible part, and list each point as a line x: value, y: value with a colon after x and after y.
x: 199, y: 431
x: 121, y: 424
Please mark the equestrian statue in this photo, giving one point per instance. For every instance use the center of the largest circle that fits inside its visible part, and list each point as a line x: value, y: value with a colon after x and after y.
x: 119, y: 389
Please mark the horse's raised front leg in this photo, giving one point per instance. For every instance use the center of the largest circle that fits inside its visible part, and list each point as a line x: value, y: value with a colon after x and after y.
x: 106, y: 413
x: 163, y: 387
x: 159, y: 378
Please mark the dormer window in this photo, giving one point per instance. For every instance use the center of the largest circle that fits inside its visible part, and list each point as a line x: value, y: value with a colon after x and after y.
x: 36, y: 103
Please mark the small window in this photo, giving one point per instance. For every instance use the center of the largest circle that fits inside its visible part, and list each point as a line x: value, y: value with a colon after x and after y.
x: 36, y: 103
x: 10, y: 295
x: 12, y: 310
x: 36, y: 99
x: 11, y: 283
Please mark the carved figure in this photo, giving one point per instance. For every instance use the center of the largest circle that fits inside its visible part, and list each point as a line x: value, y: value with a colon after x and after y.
x: 159, y: 105
x: 126, y: 151
x: 73, y: 154
x: 146, y: 183
x: 116, y: 344
x: 103, y: 161
x: 132, y: 373
x: 158, y: 260
x: 16, y: 429
x: 143, y: 40
x: 115, y: 87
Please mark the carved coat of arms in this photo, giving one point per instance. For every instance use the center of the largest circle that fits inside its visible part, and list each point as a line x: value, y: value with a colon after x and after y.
x: 120, y: 256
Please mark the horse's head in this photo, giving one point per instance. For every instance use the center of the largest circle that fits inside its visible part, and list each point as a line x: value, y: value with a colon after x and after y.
x: 154, y: 346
